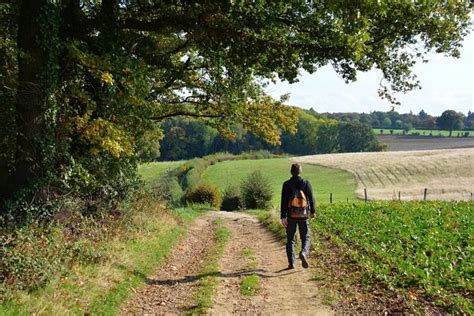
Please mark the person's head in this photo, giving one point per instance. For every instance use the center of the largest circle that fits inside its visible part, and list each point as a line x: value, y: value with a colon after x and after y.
x: 296, y: 169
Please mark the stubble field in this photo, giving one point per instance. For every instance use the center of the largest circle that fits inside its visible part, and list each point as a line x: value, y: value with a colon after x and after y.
x: 447, y: 174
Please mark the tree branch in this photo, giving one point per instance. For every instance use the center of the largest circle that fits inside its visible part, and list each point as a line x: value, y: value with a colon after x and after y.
x: 156, y: 25
x: 178, y: 74
x: 184, y: 113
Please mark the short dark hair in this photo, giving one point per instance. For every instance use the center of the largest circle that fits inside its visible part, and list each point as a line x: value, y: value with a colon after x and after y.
x: 296, y: 169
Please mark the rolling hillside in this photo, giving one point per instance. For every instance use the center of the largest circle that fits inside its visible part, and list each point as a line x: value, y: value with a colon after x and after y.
x: 324, y: 180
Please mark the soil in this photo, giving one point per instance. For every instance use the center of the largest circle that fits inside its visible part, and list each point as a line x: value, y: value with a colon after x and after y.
x: 252, y: 249
x: 404, y: 143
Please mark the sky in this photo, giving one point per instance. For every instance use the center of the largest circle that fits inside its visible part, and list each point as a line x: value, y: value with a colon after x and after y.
x: 447, y: 83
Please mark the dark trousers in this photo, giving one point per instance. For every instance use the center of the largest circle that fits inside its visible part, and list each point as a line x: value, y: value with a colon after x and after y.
x: 303, y: 227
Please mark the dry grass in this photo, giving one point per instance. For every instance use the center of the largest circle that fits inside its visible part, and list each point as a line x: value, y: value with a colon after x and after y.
x: 448, y: 174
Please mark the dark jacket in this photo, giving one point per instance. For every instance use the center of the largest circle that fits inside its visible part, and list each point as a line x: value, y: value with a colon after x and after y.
x: 286, y: 192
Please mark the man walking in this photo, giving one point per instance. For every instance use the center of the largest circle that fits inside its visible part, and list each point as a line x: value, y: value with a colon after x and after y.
x: 297, y: 206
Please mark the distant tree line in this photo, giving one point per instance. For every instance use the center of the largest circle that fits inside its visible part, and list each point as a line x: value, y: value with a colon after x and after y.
x: 316, y: 134
x: 449, y: 120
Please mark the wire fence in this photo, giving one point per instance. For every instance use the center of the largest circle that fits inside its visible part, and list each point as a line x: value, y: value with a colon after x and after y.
x: 396, y: 196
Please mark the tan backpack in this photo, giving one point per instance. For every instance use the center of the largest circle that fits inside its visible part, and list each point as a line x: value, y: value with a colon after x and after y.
x: 298, y: 204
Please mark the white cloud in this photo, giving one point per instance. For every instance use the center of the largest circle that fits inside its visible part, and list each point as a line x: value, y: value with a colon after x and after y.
x: 447, y: 83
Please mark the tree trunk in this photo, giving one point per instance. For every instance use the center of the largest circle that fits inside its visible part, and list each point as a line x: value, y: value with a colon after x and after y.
x: 29, y: 117
x: 3, y: 179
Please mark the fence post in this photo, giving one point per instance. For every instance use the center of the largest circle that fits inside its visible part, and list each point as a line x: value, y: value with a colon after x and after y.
x: 330, y: 198
x: 399, y: 196
x: 347, y: 199
x: 365, y: 194
x: 424, y: 194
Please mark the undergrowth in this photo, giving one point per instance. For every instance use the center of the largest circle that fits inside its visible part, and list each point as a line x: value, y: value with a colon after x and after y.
x: 78, y: 263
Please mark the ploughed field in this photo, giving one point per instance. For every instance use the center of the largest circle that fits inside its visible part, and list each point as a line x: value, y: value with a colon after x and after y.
x: 423, y: 132
x: 447, y: 174
x: 404, y: 143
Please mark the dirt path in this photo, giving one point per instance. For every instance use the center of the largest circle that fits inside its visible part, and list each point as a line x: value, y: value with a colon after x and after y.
x: 252, y: 249
x: 283, y: 292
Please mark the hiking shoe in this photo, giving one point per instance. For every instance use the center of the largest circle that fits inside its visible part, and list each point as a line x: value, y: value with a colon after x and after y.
x: 304, y: 261
x: 290, y: 267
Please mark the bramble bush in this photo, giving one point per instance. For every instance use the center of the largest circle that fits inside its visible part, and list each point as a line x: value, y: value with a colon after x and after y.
x: 203, y: 193
x: 256, y: 191
x: 231, y: 199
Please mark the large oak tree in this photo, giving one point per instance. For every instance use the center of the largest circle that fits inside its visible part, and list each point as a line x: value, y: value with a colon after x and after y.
x: 90, y: 78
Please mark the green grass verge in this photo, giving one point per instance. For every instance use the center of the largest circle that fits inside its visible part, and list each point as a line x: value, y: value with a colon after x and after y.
x: 208, y: 275
x: 324, y: 180
x: 421, y: 132
x: 100, y: 289
x: 272, y: 221
x: 151, y: 172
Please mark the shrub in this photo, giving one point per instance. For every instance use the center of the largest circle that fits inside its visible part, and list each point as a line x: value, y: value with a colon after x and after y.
x: 169, y: 189
x: 256, y: 191
x: 203, y: 193
x: 232, y: 199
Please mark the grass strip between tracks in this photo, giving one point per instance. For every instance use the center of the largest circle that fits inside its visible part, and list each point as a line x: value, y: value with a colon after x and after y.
x: 209, y: 273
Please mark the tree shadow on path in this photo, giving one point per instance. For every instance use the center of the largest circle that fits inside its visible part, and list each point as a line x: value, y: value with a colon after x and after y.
x: 264, y: 274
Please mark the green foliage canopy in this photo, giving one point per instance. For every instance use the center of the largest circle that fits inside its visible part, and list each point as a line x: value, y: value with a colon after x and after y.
x: 450, y: 120
x: 83, y: 82
x: 356, y: 137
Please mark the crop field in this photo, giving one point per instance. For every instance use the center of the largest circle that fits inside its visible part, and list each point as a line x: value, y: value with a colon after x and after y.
x: 404, y: 143
x: 425, y: 248
x: 422, y: 132
x: 447, y: 174
x: 323, y: 179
